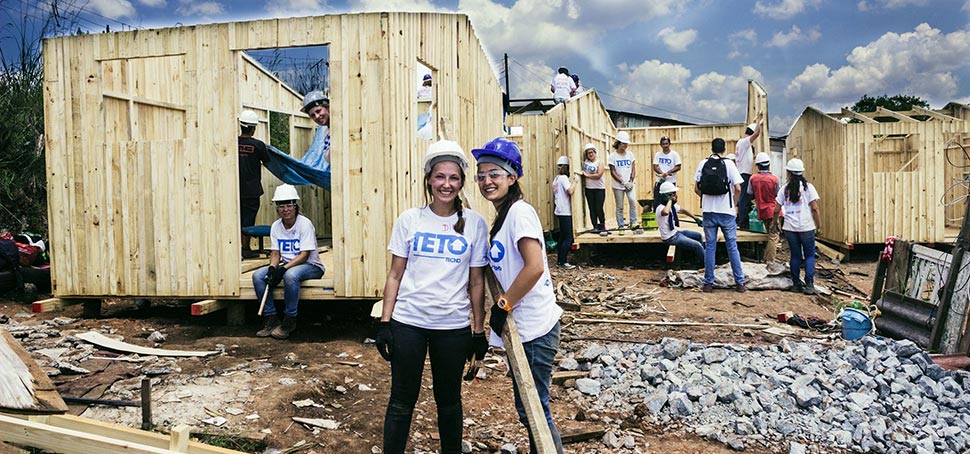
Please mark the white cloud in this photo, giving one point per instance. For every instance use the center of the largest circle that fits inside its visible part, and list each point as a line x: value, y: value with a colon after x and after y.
x: 292, y: 8
x: 677, y: 41
x: 741, y: 42
x: 785, y: 9
x: 890, y: 4
x: 966, y: 6
x: 924, y: 63
x: 152, y: 3
x: 112, y: 9
x: 669, y: 86
x: 795, y: 36
x: 393, y: 5
x: 194, y: 8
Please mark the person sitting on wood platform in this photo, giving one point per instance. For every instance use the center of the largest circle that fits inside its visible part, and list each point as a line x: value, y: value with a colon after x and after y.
x: 668, y: 221
x: 293, y: 259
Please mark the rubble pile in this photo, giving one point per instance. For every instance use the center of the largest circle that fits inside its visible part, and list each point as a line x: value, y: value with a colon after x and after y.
x: 874, y: 395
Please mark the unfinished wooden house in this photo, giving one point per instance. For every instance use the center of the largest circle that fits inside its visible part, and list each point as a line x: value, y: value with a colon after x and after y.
x: 566, y: 128
x: 141, y: 131
x: 886, y: 173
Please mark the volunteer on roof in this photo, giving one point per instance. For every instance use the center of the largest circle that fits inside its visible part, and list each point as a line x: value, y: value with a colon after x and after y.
x: 434, y: 300
x: 293, y: 259
x: 562, y: 86
x: 317, y: 106
x: 518, y: 258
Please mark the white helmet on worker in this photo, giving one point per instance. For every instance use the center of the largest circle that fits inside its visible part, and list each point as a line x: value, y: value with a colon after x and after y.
x: 314, y: 98
x: 623, y: 137
x: 248, y: 118
x: 445, y: 150
x: 667, y: 187
x: 562, y: 161
x: 589, y: 146
x: 795, y: 166
x: 752, y: 127
x: 285, y: 192
x: 762, y: 158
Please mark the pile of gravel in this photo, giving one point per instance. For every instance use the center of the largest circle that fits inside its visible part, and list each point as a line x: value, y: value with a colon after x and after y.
x: 873, y: 395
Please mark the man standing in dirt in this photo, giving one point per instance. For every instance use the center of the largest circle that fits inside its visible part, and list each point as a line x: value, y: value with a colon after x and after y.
x: 719, y: 185
x: 763, y: 188
x: 252, y: 153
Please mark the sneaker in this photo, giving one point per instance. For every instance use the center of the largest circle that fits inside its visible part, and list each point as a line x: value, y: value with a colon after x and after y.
x: 796, y: 287
x: 809, y: 289
x: 567, y: 266
x: 269, y: 325
x: 604, y: 233
x: 740, y: 288
x: 285, y: 328
x: 708, y: 288
x: 638, y: 231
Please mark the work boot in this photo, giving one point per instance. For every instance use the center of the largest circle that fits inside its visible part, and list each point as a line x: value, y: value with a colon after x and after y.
x: 809, y: 289
x: 284, y: 330
x: 271, y: 322
x: 797, y: 287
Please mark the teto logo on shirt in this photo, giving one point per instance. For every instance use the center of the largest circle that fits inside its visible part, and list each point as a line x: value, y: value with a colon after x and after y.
x: 439, y: 246
x: 288, y: 245
x: 663, y: 160
x: 496, y: 253
x: 624, y: 163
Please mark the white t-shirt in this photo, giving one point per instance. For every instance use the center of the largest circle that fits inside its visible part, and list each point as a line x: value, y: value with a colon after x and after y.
x: 563, y: 85
x: 561, y: 198
x: 744, y: 155
x: 434, y: 289
x: 798, y: 215
x: 667, y: 161
x: 623, y: 163
x: 290, y: 242
x: 663, y: 222
x: 723, y: 203
x: 537, y: 312
x: 594, y: 183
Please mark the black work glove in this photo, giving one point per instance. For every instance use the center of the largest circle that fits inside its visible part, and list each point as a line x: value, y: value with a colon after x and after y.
x: 385, y: 340
x: 497, y: 319
x: 275, y: 275
x: 478, y: 346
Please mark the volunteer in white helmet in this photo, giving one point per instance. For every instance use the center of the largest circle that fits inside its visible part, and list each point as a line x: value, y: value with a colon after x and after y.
x: 293, y: 259
x: 434, y: 300
x: 763, y: 189
x: 252, y: 155
x: 668, y: 221
x: 799, y: 199
x: 623, y: 169
x: 562, y: 193
x: 317, y: 106
x: 744, y: 150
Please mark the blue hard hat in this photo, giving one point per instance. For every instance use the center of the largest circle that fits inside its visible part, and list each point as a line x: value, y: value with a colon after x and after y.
x: 502, y: 148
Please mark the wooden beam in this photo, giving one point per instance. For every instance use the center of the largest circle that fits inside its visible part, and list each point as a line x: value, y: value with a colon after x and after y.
x: 857, y: 116
x: 933, y: 114
x: 653, y: 323
x: 582, y: 434
x: 24, y: 387
x: 831, y: 253
x: 884, y: 112
x: 52, y: 304
x: 560, y: 377
x: 671, y: 252
x: 33, y: 434
x: 179, y: 438
x: 208, y: 306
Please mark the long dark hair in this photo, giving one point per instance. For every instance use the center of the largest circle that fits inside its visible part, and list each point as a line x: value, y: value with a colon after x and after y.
x: 458, y: 207
x: 792, y: 191
x: 563, y: 169
x: 514, y: 195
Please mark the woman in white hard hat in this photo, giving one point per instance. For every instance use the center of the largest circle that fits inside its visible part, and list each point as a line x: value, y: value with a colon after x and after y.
x: 562, y: 192
x: 800, y: 201
x: 623, y: 169
x: 317, y: 106
x: 518, y: 258
x: 594, y: 188
x: 293, y: 259
x: 434, y: 300
x: 668, y: 222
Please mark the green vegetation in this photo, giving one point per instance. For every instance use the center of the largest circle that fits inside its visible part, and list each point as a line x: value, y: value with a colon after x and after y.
x: 895, y: 103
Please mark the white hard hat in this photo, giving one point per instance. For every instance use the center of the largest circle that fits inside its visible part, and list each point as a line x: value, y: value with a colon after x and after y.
x: 762, y: 158
x: 795, y: 166
x: 589, y: 146
x: 752, y: 126
x: 445, y: 150
x: 562, y: 161
x: 248, y: 118
x: 313, y: 98
x: 667, y: 187
x: 623, y: 137
x: 285, y: 192
x: 731, y: 156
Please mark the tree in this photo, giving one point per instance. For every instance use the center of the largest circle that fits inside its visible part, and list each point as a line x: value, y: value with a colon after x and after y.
x: 895, y: 103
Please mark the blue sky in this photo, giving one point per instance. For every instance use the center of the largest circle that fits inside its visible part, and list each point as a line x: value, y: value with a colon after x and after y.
x: 686, y: 59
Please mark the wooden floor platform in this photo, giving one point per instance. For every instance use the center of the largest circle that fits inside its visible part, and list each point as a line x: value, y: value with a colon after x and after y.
x: 653, y: 236
x: 312, y: 289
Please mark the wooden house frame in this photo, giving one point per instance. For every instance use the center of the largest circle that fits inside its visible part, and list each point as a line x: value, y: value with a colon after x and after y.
x: 886, y: 173
x: 141, y: 135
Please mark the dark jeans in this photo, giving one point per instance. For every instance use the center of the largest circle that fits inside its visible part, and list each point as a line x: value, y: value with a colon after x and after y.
x: 541, y: 354
x: 744, y: 204
x: 801, y: 246
x: 595, y: 198
x: 447, y: 349
x: 565, y: 237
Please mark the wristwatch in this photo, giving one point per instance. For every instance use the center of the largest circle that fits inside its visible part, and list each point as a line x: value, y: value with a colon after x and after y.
x: 503, y: 304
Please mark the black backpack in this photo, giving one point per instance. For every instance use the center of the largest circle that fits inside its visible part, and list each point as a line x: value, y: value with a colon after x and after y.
x: 9, y: 255
x: 714, y: 179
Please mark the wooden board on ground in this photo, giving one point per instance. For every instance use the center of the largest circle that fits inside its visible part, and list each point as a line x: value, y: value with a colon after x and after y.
x: 52, y: 304
x: 112, y: 344
x: 829, y: 252
x: 24, y: 387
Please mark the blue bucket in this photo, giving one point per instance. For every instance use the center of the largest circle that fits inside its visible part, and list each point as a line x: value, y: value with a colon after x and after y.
x: 855, y: 324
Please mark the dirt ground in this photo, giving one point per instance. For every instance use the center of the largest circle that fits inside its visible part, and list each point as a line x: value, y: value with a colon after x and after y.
x: 254, y: 383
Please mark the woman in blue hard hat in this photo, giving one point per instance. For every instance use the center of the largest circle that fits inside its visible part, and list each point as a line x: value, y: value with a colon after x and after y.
x: 293, y: 259
x: 799, y: 199
x: 434, y: 284
x: 518, y: 259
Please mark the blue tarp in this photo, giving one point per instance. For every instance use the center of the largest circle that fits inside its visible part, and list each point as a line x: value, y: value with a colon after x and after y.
x: 314, y: 170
